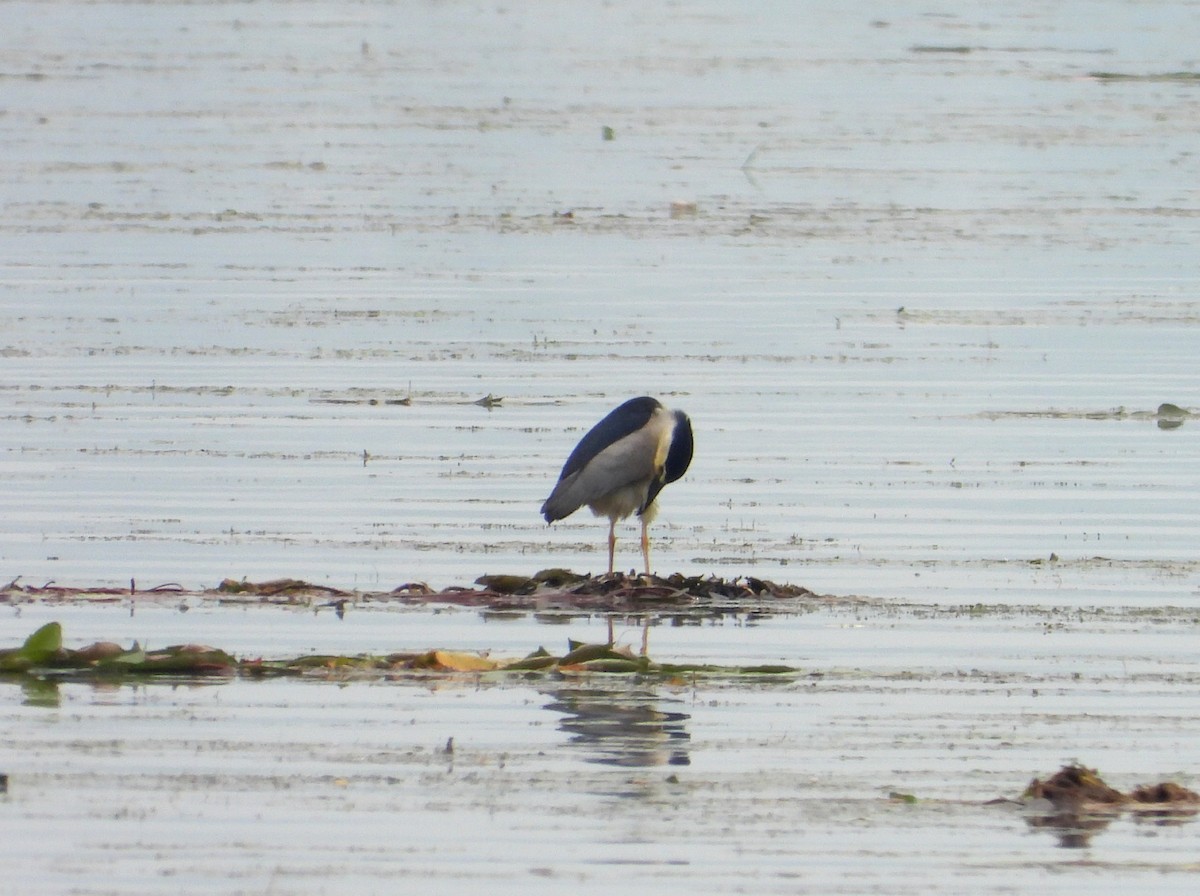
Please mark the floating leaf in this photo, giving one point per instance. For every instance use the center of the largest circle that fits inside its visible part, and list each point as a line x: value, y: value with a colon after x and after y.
x: 583, y: 653
x: 539, y: 659
x: 463, y: 662
x: 38, y: 649
x: 1170, y: 416
x: 507, y: 584
x: 43, y: 644
x: 101, y: 651
x: 557, y: 577
x: 187, y: 659
x: 608, y: 664
x: 133, y: 657
x: 451, y: 661
x: 767, y: 669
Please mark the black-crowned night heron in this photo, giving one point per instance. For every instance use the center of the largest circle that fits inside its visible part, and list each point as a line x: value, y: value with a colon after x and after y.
x: 621, y: 465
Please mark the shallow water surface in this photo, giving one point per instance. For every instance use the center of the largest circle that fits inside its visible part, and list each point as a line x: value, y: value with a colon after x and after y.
x: 890, y: 761
x: 603, y: 781
x: 921, y: 276
x: 937, y: 280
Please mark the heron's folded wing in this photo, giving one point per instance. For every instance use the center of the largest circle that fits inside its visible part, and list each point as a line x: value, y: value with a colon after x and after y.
x: 626, y: 462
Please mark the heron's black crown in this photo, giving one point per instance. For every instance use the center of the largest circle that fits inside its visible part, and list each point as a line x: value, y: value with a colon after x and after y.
x: 679, y: 458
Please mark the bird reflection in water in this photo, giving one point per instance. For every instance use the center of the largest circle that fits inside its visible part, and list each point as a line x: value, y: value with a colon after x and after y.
x: 629, y: 729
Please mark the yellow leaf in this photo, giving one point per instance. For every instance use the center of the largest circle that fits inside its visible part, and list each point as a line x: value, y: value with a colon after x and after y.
x: 463, y: 662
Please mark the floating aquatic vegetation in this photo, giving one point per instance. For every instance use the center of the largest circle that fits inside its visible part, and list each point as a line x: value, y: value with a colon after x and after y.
x: 276, y: 587
x: 43, y: 656
x: 932, y: 48
x: 1080, y: 789
x: 508, y: 584
x: 1153, y: 77
x: 563, y: 590
x: 620, y: 588
x: 1073, y: 786
x: 1083, y: 804
x: 42, y: 646
x: 1171, y: 416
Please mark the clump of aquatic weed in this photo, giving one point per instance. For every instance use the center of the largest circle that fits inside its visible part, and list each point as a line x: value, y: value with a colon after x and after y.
x: 1082, y: 804
x: 617, y: 588
x: 554, y: 588
x: 1077, y: 788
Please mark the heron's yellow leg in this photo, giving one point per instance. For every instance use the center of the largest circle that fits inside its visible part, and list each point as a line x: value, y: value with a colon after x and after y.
x: 646, y: 545
x: 612, y: 544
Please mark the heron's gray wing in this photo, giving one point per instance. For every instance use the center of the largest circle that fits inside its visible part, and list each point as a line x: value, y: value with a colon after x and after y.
x: 623, y: 463
x: 619, y: 423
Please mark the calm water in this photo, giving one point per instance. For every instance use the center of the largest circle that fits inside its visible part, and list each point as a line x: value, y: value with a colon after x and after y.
x: 920, y: 277
x: 704, y: 785
x: 229, y: 229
